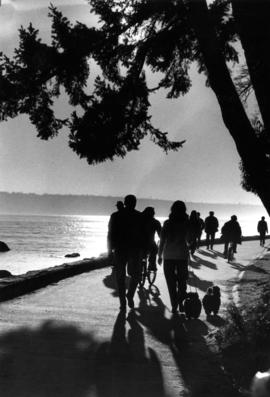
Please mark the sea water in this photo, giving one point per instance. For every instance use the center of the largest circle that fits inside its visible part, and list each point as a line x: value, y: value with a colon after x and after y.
x: 41, y: 241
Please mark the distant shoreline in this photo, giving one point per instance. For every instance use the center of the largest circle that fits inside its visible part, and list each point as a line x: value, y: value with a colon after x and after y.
x: 50, y: 204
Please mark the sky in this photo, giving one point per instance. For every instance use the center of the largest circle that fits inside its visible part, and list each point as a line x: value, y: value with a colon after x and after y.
x: 206, y: 169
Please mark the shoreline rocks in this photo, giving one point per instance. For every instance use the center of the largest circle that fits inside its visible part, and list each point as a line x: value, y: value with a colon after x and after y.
x: 5, y: 273
x: 73, y: 255
x: 4, y: 247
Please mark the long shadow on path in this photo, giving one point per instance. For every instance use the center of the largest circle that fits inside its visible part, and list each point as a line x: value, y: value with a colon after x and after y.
x: 196, y: 282
x: 197, y: 262
x: 198, y: 366
x: 58, y: 360
x: 212, y: 254
x: 124, y: 366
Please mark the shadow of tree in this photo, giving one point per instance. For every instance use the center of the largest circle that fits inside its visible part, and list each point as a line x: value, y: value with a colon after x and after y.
x: 53, y: 360
x: 124, y: 366
x: 57, y: 360
x: 254, y: 268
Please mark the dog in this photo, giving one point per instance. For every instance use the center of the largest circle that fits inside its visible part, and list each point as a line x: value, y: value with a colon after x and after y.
x: 192, y: 305
x: 211, y: 300
x: 207, y: 301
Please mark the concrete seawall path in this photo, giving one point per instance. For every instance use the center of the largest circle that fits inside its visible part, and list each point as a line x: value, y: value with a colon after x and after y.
x: 68, y: 338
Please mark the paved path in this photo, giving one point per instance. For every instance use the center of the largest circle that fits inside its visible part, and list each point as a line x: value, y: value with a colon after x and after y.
x: 69, y: 339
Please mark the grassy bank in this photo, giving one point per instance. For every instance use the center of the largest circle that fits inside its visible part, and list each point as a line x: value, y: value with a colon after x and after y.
x: 244, y: 342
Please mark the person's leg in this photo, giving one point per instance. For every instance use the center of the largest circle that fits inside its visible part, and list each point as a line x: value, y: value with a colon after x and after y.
x: 153, y: 257
x: 134, y: 270
x: 193, y: 246
x: 226, y: 245
x: 199, y: 240
x: 234, y: 247
x: 212, y: 240
x: 170, y: 276
x: 182, y: 277
x: 120, y: 271
x: 207, y: 240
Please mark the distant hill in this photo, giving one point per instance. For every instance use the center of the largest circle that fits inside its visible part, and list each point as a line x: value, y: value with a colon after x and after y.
x: 21, y: 203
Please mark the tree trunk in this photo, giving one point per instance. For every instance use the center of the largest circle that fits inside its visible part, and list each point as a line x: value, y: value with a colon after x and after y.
x: 234, y: 116
x: 252, y: 21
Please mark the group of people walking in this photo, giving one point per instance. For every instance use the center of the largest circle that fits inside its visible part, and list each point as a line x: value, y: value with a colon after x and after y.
x: 131, y: 238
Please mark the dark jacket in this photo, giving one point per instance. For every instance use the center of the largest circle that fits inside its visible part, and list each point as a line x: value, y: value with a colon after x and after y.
x: 211, y: 224
x: 231, y: 231
x: 125, y: 230
x: 262, y: 227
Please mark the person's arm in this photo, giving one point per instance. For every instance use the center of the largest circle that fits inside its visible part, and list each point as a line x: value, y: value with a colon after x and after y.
x: 266, y: 228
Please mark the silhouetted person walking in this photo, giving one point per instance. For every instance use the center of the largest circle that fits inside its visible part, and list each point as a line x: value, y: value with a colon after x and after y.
x: 231, y: 233
x: 211, y: 227
x: 125, y: 242
x: 151, y: 226
x: 262, y: 228
x: 194, y: 231
x: 201, y: 221
x: 113, y: 219
x: 174, y: 250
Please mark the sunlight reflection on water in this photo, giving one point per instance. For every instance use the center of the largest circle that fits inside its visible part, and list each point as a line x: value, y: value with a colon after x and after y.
x: 38, y: 241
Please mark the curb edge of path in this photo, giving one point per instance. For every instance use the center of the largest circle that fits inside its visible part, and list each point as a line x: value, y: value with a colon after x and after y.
x: 15, y: 286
